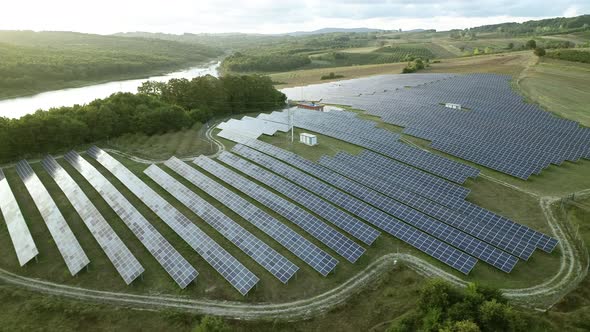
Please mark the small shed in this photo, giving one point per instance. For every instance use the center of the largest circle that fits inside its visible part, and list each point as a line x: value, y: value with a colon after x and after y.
x: 308, y: 139
x: 311, y: 106
x: 453, y: 106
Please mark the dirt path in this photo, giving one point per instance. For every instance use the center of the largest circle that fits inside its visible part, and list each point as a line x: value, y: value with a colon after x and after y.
x: 573, y: 268
x: 571, y: 271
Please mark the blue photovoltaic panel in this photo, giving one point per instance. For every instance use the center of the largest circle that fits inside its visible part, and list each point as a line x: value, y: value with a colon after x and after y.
x: 486, y: 231
x: 308, y: 222
x: 453, y: 236
x: 64, y: 238
x: 517, y: 233
x: 262, y: 253
x: 298, y: 245
x: 230, y: 268
x: 412, y: 178
x: 122, y: 259
x: 318, y: 205
x: 172, y: 262
x: 420, y: 240
x: 23, y: 243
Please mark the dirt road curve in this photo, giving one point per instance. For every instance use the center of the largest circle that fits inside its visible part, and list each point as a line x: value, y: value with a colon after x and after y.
x: 570, y: 273
x: 573, y: 268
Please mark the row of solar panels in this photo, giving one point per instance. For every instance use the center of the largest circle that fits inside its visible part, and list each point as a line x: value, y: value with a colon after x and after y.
x: 342, y: 126
x: 426, y: 193
x: 392, y: 196
x: 495, y: 128
x: 168, y: 257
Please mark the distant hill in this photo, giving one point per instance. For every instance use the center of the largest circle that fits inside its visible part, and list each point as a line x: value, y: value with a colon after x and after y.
x: 541, y: 27
x: 32, y: 62
x: 331, y: 30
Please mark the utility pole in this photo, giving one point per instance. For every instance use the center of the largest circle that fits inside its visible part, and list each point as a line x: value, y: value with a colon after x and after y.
x: 292, y: 123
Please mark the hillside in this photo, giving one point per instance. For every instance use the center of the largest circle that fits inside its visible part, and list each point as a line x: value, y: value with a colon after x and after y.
x: 33, y: 62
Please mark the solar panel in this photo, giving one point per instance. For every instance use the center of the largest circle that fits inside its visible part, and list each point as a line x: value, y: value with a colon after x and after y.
x: 341, y: 244
x: 23, y: 243
x: 453, y: 236
x: 124, y: 261
x: 262, y: 253
x: 494, y: 127
x: 420, y: 240
x: 172, y: 262
x: 297, y: 244
x: 318, y: 205
x: 231, y: 269
x: 64, y: 238
x: 490, y: 232
x: 409, y: 177
x: 497, y: 230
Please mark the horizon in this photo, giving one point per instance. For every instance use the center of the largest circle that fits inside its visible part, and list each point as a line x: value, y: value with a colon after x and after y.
x: 268, y: 18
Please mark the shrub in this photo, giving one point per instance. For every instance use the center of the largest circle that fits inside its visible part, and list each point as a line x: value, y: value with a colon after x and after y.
x: 539, y: 51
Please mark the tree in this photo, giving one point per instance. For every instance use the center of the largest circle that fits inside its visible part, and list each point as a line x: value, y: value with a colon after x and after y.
x: 510, y: 45
x: 462, y: 326
x: 476, y: 51
x: 495, y: 316
x: 212, y: 324
x: 539, y: 51
x: 531, y: 44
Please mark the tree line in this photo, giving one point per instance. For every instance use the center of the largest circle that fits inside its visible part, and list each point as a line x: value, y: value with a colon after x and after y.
x: 156, y: 108
x: 239, y: 62
x: 443, y: 308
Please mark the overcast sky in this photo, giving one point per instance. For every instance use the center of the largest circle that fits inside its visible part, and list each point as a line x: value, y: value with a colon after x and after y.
x: 272, y: 16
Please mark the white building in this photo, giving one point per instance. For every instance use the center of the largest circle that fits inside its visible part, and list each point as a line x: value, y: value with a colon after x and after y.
x: 308, y: 139
x: 453, y: 106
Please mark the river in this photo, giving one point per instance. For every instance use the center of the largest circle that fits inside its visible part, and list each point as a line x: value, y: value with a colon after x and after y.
x: 17, y: 107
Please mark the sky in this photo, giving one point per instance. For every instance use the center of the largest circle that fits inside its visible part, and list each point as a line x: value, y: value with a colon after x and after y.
x: 272, y: 16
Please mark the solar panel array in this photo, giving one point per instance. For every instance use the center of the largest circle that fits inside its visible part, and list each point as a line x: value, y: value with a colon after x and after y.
x: 418, y: 239
x: 21, y: 238
x: 297, y: 244
x: 229, y: 267
x: 415, y: 218
x: 305, y: 220
x: 123, y: 260
x: 364, y: 133
x: 67, y: 244
x: 170, y: 259
x: 495, y: 127
x: 502, y: 232
x: 318, y: 205
x: 263, y: 254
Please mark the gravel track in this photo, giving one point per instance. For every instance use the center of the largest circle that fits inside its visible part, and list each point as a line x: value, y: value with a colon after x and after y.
x: 573, y: 269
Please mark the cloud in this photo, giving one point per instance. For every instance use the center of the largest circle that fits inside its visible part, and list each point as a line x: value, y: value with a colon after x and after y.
x: 272, y: 16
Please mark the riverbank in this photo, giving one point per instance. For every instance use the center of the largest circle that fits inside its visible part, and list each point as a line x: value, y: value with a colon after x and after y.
x: 18, y: 107
x: 113, y: 78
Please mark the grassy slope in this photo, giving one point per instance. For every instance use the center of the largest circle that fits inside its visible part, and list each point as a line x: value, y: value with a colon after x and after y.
x: 561, y: 87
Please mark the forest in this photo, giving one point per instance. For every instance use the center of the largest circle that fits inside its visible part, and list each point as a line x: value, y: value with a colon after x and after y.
x: 39, y: 61
x: 156, y: 108
x: 538, y: 27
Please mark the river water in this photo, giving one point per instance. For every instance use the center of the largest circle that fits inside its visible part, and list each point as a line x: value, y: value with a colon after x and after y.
x: 17, y: 107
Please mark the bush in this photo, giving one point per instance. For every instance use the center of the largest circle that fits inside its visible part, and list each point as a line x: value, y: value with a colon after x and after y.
x: 212, y: 324
x: 331, y: 76
x: 570, y: 55
x: 539, y: 51
x: 531, y: 44
x: 444, y: 308
x: 414, y: 66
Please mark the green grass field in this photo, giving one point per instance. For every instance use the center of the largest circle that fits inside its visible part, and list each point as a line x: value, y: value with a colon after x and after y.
x: 188, y: 142
x: 561, y: 87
